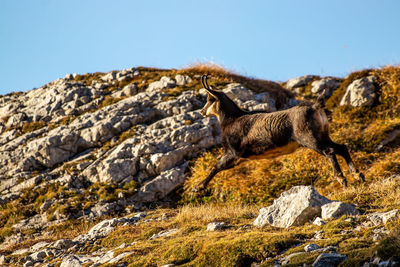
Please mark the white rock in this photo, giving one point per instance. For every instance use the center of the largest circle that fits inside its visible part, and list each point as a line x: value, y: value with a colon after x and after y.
x: 71, y: 261
x: 299, y: 81
x: 360, y: 92
x: 164, y: 233
x: 318, y: 221
x: 163, y: 83
x: 327, y: 84
x: 109, y: 76
x: 38, y: 256
x: 39, y: 246
x: 182, y: 79
x: 378, y: 218
x: 236, y: 91
x: 296, y: 206
x: 337, y: 209
x: 215, y: 226
x: 311, y: 247
x: 162, y: 185
x: 63, y: 244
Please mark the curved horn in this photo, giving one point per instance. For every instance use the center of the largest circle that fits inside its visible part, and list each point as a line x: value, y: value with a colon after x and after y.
x: 203, y: 81
x: 207, y: 87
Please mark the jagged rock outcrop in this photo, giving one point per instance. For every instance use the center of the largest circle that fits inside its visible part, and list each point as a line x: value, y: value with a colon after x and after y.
x: 142, y: 135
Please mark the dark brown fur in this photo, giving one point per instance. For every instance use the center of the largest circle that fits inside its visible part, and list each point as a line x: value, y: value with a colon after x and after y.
x: 261, y: 134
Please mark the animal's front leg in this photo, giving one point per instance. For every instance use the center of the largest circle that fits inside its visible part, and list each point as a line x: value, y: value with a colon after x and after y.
x: 225, y: 162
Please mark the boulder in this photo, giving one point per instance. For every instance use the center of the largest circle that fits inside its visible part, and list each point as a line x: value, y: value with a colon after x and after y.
x: 71, y: 261
x: 360, y: 93
x: 318, y: 221
x: 63, y: 244
x: 337, y: 209
x: 128, y: 90
x: 38, y: 256
x: 299, y: 81
x: 162, y: 185
x: 327, y: 84
x: 163, y: 83
x: 215, y: 226
x: 379, y: 218
x: 236, y: 91
x: 182, y: 79
x: 296, y: 206
x: 311, y: 247
x: 109, y: 76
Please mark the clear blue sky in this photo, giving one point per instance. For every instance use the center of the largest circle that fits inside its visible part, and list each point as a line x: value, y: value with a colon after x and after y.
x: 43, y: 40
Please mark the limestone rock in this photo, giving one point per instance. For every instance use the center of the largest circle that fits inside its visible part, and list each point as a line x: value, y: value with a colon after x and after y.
x: 162, y: 185
x: 360, y: 93
x: 311, y: 247
x: 164, y: 233
x: 38, y: 256
x: 215, y: 226
x: 105, y: 227
x: 163, y: 83
x: 236, y: 91
x: 128, y: 90
x: 63, y: 244
x: 337, y: 209
x: 299, y: 81
x: 296, y: 206
x: 329, y: 260
x: 327, y: 84
x: 182, y: 79
x: 378, y: 218
x: 109, y: 76
x: 318, y: 221
x: 71, y: 261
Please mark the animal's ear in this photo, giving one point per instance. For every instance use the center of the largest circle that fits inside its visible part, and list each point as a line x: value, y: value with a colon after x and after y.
x: 210, y: 90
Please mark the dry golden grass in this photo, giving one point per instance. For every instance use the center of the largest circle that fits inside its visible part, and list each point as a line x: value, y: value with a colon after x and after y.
x: 373, y: 195
x: 212, y: 212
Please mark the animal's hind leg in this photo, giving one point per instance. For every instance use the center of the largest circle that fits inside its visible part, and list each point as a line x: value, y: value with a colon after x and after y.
x: 344, y: 152
x: 225, y: 162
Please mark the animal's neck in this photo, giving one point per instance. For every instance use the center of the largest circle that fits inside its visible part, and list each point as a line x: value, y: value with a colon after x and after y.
x: 229, y: 112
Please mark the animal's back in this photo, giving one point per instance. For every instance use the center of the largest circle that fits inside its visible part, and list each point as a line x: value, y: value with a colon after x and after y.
x: 261, y: 131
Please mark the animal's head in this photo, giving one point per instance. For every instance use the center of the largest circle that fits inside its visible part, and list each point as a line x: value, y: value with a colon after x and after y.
x: 218, y: 103
x: 213, y: 105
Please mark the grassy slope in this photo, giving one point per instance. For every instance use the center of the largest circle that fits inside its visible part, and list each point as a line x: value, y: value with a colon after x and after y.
x: 235, y: 195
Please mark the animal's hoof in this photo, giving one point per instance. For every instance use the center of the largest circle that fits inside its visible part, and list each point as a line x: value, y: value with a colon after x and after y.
x: 197, y: 190
x: 342, y: 180
x: 361, y: 177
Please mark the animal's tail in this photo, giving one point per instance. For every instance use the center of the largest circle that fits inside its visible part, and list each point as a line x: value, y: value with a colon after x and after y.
x: 320, y: 102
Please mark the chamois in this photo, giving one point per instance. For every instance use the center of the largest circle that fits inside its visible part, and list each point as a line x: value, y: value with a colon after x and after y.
x: 267, y: 135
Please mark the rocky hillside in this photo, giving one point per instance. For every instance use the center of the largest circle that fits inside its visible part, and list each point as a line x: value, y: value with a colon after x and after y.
x: 97, y: 169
